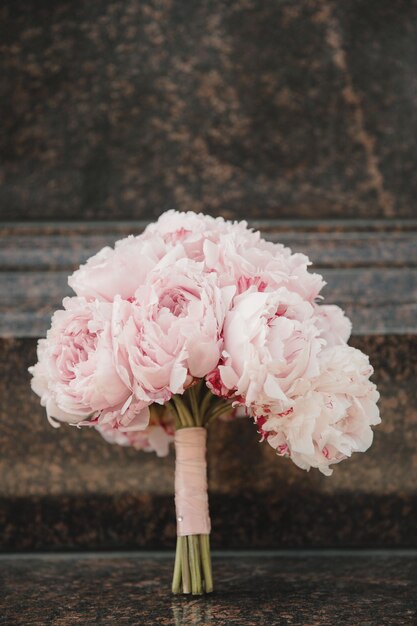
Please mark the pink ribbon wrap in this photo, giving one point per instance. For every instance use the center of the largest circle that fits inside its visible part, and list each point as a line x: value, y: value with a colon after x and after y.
x: 191, y: 498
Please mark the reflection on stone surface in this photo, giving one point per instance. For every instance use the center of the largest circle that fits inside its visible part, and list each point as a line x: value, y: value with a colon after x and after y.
x: 196, y: 612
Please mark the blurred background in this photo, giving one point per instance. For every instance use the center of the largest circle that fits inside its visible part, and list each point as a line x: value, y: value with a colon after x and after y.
x: 299, y: 117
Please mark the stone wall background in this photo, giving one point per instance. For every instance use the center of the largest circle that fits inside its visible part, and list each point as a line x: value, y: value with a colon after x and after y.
x: 120, y: 110
x: 298, y: 116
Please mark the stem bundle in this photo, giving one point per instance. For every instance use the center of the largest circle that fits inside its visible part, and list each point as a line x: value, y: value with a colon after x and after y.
x: 192, y: 571
x: 197, y: 408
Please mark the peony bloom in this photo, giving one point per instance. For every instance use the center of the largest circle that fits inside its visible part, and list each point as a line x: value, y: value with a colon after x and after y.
x: 156, y: 437
x: 119, y: 271
x: 76, y: 375
x: 237, y: 253
x: 239, y: 256
x: 171, y: 333
x: 153, y: 439
x: 271, y: 342
x: 331, y: 420
x: 196, y: 297
x: 193, y: 230
x: 335, y: 326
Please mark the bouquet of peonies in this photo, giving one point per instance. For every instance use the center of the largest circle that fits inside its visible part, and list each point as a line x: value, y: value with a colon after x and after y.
x: 195, y: 319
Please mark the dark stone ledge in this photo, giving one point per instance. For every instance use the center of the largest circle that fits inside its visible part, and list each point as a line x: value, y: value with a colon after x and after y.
x: 370, y: 268
x: 57, y: 246
x: 240, y: 521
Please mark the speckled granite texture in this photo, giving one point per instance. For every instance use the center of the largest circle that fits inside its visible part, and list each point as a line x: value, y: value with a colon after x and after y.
x: 118, y: 110
x: 287, y: 590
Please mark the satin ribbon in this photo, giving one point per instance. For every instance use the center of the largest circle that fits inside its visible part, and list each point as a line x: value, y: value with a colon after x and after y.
x: 191, y: 498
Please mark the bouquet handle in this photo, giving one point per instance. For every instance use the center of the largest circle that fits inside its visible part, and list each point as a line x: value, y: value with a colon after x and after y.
x: 192, y: 570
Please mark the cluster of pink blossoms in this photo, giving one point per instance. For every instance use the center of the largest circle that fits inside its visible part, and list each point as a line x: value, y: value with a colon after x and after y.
x: 194, y: 297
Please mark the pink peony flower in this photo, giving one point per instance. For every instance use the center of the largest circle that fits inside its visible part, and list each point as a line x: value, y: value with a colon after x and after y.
x: 238, y: 254
x: 156, y: 437
x: 76, y: 375
x: 270, y: 343
x: 171, y: 333
x: 332, y: 419
x: 200, y: 297
x: 152, y: 439
x: 192, y: 230
x: 335, y: 326
x: 119, y: 271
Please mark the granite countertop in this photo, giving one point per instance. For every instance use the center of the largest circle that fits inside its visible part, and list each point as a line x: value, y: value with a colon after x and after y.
x: 287, y: 588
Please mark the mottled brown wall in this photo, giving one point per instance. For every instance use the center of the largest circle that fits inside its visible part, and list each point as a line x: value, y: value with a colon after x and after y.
x: 65, y: 488
x: 118, y: 110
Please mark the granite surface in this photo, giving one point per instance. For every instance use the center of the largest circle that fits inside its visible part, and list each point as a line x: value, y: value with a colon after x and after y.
x: 289, y: 590
x: 68, y: 489
x: 118, y: 110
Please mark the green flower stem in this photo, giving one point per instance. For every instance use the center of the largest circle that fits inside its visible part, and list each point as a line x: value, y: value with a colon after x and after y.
x: 183, y: 413
x: 196, y: 582
x: 194, y: 406
x: 177, y: 577
x: 205, y: 403
x: 206, y: 562
x: 185, y: 566
x: 192, y: 570
x: 220, y: 410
